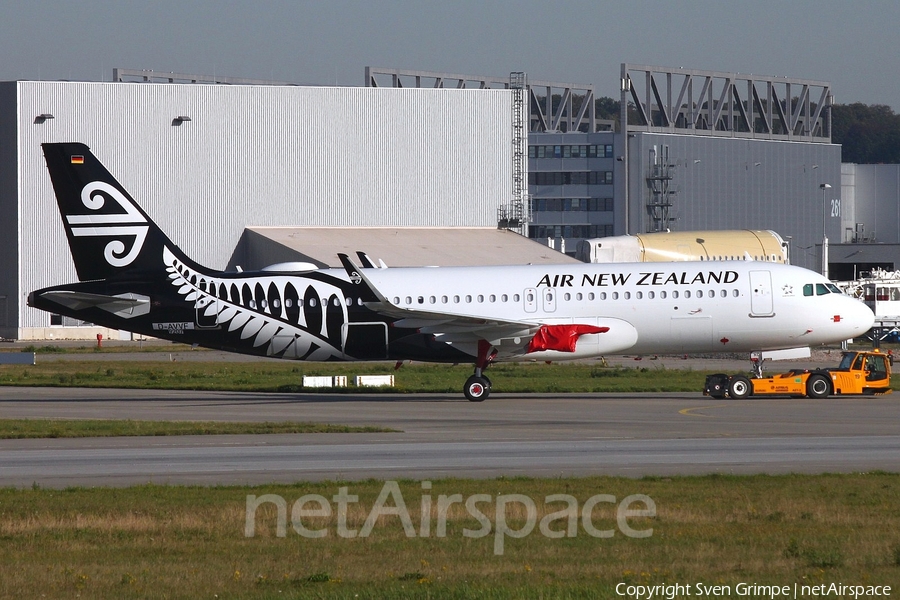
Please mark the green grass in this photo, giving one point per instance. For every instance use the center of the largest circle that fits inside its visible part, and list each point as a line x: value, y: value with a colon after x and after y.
x: 52, y: 428
x: 89, y: 348
x: 286, y: 376
x: 189, y: 542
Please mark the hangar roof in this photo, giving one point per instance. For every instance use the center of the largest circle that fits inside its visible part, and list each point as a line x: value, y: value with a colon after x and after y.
x: 396, y: 246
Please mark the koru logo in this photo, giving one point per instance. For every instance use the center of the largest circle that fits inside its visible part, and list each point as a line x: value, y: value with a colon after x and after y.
x: 127, y: 224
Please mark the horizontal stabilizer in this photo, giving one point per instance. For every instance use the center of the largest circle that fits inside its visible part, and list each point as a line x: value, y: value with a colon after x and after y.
x: 122, y: 305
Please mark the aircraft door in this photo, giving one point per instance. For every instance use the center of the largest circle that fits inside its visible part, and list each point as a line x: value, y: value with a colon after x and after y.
x: 206, y: 309
x: 549, y: 295
x: 761, y: 294
x: 529, y: 297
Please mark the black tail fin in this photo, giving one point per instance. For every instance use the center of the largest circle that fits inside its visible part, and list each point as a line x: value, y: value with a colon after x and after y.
x: 108, y: 232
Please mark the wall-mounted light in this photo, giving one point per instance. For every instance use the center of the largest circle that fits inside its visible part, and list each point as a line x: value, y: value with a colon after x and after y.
x: 41, y: 118
x: 177, y: 121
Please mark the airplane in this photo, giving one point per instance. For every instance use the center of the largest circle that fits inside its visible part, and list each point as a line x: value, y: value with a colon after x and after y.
x: 133, y: 278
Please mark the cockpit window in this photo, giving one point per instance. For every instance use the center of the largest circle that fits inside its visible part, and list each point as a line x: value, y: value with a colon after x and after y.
x: 821, y: 289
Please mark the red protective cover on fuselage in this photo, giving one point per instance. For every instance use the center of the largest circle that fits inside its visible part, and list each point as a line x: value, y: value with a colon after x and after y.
x: 561, y: 337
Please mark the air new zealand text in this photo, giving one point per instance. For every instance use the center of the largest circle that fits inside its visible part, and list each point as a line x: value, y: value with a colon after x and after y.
x: 654, y: 278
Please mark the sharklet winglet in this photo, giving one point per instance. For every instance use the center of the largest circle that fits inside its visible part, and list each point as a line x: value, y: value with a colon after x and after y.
x: 369, y: 292
x: 365, y: 260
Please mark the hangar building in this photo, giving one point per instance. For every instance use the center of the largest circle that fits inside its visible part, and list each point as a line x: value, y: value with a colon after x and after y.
x: 690, y: 150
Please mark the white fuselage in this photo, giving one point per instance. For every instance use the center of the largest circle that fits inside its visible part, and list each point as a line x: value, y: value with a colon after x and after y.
x: 672, y: 307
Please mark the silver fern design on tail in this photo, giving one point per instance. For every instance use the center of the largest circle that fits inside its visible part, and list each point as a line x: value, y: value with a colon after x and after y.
x: 304, y: 324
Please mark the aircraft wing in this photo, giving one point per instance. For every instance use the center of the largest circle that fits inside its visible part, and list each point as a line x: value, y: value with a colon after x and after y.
x: 450, y: 328
x: 516, y: 336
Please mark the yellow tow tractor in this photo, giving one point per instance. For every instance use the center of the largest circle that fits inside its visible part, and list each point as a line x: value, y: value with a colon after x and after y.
x: 864, y: 372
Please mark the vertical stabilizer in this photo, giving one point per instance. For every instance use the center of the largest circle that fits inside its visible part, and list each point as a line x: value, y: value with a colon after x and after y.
x: 108, y: 233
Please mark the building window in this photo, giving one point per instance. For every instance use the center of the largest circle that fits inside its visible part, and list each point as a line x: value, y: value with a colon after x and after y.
x: 570, y: 177
x: 572, y: 205
x: 571, y: 151
x: 570, y: 231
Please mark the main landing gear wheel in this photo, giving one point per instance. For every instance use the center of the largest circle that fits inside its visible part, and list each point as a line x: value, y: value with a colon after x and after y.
x: 740, y: 387
x: 477, y: 388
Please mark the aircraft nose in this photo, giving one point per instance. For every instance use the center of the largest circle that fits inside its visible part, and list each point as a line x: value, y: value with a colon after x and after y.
x: 858, y: 317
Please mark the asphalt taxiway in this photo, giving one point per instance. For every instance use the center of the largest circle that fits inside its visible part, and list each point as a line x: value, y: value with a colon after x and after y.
x: 442, y: 435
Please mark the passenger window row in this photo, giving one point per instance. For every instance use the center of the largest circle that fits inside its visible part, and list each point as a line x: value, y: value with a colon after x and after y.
x: 468, y: 299
x: 662, y: 295
x: 312, y: 302
x: 567, y: 296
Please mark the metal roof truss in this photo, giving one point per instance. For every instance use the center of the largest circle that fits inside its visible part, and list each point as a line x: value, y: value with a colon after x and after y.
x: 730, y: 104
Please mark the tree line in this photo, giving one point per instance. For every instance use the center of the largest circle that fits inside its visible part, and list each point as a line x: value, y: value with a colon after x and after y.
x: 867, y: 133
